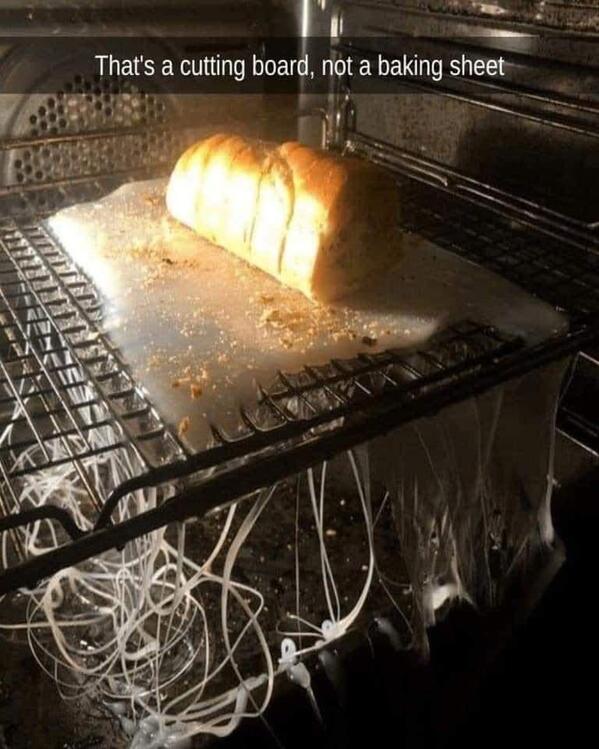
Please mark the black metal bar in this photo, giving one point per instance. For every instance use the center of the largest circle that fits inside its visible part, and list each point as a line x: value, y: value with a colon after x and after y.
x: 560, y: 122
x: 8, y: 144
x: 34, y: 515
x: 483, y: 194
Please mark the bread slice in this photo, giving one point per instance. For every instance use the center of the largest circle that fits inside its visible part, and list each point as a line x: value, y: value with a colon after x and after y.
x: 273, y: 213
x: 214, y: 188
x: 361, y: 237
x: 239, y: 210
x: 185, y: 183
x: 309, y: 223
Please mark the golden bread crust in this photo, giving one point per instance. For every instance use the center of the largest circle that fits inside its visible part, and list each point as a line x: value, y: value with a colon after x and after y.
x: 318, y: 222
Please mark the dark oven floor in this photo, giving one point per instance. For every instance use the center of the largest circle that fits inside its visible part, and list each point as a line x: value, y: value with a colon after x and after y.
x: 491, y: 680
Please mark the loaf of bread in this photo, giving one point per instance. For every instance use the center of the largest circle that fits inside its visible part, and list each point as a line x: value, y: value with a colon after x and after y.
x: 318, y: 222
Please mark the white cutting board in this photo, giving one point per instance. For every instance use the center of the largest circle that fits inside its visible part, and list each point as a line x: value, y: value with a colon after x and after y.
x: 184, y: 311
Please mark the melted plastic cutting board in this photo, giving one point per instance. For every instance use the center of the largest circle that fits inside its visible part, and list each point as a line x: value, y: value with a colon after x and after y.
x: 199, y: 327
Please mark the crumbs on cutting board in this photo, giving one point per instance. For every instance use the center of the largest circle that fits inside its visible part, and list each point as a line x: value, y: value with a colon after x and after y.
x: 272, y: 323
x: 277, y: 319
x: 300, y: 326
x: 199, y: 324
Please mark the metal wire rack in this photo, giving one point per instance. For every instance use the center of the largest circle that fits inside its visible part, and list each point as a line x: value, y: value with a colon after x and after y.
x: 578, y: 416
x: 564, y: 277
x: 56, y: 363
x: 551, y: 255
x: 302, y: 418
x: 65, y: 396
x: 52, y: 344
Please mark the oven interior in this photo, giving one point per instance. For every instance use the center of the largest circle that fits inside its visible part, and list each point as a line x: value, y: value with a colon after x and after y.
x: 501, y: 174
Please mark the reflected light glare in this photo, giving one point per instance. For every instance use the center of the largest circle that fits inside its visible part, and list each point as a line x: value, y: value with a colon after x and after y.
x: 79, y: 240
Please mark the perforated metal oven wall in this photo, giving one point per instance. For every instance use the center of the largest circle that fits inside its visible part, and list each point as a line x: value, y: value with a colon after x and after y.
x: 84, y: 105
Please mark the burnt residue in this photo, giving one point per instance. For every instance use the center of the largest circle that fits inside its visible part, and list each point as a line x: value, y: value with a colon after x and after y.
x: 33, y: 715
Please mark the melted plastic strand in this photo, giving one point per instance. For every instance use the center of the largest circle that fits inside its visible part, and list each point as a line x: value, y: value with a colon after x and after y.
x: 130, y: 627
x: 110, y: 627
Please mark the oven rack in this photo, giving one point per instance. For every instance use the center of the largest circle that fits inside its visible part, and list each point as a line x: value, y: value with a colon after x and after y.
x: 578, y: 416
x: 564, y: 275
x: 552, y: 256
x: 50, y: 325
x: 62, y: 384
x: 266, y: 455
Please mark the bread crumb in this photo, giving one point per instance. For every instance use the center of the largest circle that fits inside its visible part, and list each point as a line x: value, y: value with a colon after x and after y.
x: 180, y: 381
x: 153, y: 200
x: 196, y: 391
x: 271, y: 316
x: 184, y: 425
x: 368, y: 341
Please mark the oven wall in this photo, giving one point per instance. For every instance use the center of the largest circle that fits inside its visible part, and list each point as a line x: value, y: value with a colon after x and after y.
x: 78, y: 106
x: 532, y: 133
